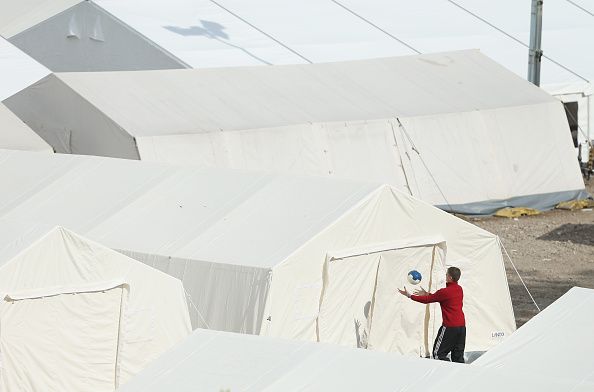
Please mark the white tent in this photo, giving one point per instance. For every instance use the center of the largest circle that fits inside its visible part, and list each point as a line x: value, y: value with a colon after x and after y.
x: 76, y: 35
x: 255, y: 251
x: 454, y: 129
x: 75, y: 315
x: 219, y: 361
x: 16, y: 135
x: 556, y: 341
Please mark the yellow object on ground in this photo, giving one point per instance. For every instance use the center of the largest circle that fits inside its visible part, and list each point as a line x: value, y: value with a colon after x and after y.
x: 515, y: 212
x: 575, y: 204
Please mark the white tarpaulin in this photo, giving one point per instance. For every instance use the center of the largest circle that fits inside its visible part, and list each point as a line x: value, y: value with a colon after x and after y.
x: 557, y: 341
x: 76, y: 315
x: 452, y: 129
x: 15, y: 135
x: 219, y: 361
x: 250, y: 248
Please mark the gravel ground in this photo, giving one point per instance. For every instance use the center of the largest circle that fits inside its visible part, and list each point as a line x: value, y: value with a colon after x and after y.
x: 553, y: 252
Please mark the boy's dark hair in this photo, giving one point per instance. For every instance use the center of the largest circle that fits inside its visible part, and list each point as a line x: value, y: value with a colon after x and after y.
x: 455, y: 273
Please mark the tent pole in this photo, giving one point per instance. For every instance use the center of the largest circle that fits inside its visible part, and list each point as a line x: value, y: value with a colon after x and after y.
x: 535, y: 51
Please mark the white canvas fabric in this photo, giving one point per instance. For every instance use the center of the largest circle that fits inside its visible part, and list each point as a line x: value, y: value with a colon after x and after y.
x: 219, y: 361
x: 451, y: 129
x: 358, y: 289
x: 76, y: 315
x: 16, y: 135
x: 41, y: 337
x: 17, y: 70
x: 250, y: 248
x: 562, y: 330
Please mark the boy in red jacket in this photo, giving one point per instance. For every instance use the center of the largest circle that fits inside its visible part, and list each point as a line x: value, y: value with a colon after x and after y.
x: 451, y: 336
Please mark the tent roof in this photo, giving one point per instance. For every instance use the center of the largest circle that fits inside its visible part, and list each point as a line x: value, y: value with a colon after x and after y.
x: 17, y: 70
x: 563, y: 329
x: 152, y: 103
x: 19, y: 15
x: 15, y: 135
x: 218, y: 361
x: 17, y: 236
x: 213, y: 361
x: 236, y: 32
x: 197, y: 214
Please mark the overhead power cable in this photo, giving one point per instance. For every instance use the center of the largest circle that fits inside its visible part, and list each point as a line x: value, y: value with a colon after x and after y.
x: 261, y: 31
x: 376, y: 26
x: 515, y: 39
x: 580, y: 7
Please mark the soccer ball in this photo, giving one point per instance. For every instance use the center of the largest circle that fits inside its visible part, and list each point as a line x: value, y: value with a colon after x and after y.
x: 414, y: 277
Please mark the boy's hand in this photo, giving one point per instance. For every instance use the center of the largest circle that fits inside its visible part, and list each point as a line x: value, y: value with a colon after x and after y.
x: 421, y: 292
x: 404, y: 292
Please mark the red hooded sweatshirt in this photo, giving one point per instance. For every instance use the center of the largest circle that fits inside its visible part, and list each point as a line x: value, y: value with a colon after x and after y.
x: 450, y: 300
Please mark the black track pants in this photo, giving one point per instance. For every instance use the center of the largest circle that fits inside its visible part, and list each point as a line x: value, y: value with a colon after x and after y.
x: 450, y: 340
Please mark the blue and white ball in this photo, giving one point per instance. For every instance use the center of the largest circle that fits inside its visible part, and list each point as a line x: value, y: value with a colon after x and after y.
x: 414, y: 277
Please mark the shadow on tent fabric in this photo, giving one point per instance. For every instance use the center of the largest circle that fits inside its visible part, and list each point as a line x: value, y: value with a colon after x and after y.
x: 212, y: 30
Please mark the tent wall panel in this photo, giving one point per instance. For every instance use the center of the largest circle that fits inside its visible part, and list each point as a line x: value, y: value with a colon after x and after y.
x: 220, y: 296
x: 354, y: 149
x: 69, y: 123
x: 491, y: 155
x: 61, y: 342
x: 359, y: 306
x: 86, y: 38
x: 403, y: 326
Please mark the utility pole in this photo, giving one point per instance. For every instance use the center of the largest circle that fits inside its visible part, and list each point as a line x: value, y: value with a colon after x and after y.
x: 535, y: 52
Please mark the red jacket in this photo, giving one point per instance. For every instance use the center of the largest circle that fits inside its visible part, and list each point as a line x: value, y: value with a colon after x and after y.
x: 450, y: 299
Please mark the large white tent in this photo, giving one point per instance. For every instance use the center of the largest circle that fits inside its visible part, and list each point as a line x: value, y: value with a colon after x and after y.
x: 454, y: 129
x: 256, y: 251
x: 556, y: 341
x: 75, y: 315
x: 219, y: 361
x: 76, y: 35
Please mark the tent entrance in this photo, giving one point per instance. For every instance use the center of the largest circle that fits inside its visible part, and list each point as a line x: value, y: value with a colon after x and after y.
x: 360, y: 306
x: 64, y: 341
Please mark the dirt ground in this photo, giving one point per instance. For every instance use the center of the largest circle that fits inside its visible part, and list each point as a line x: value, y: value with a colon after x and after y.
x: 553, y: 252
